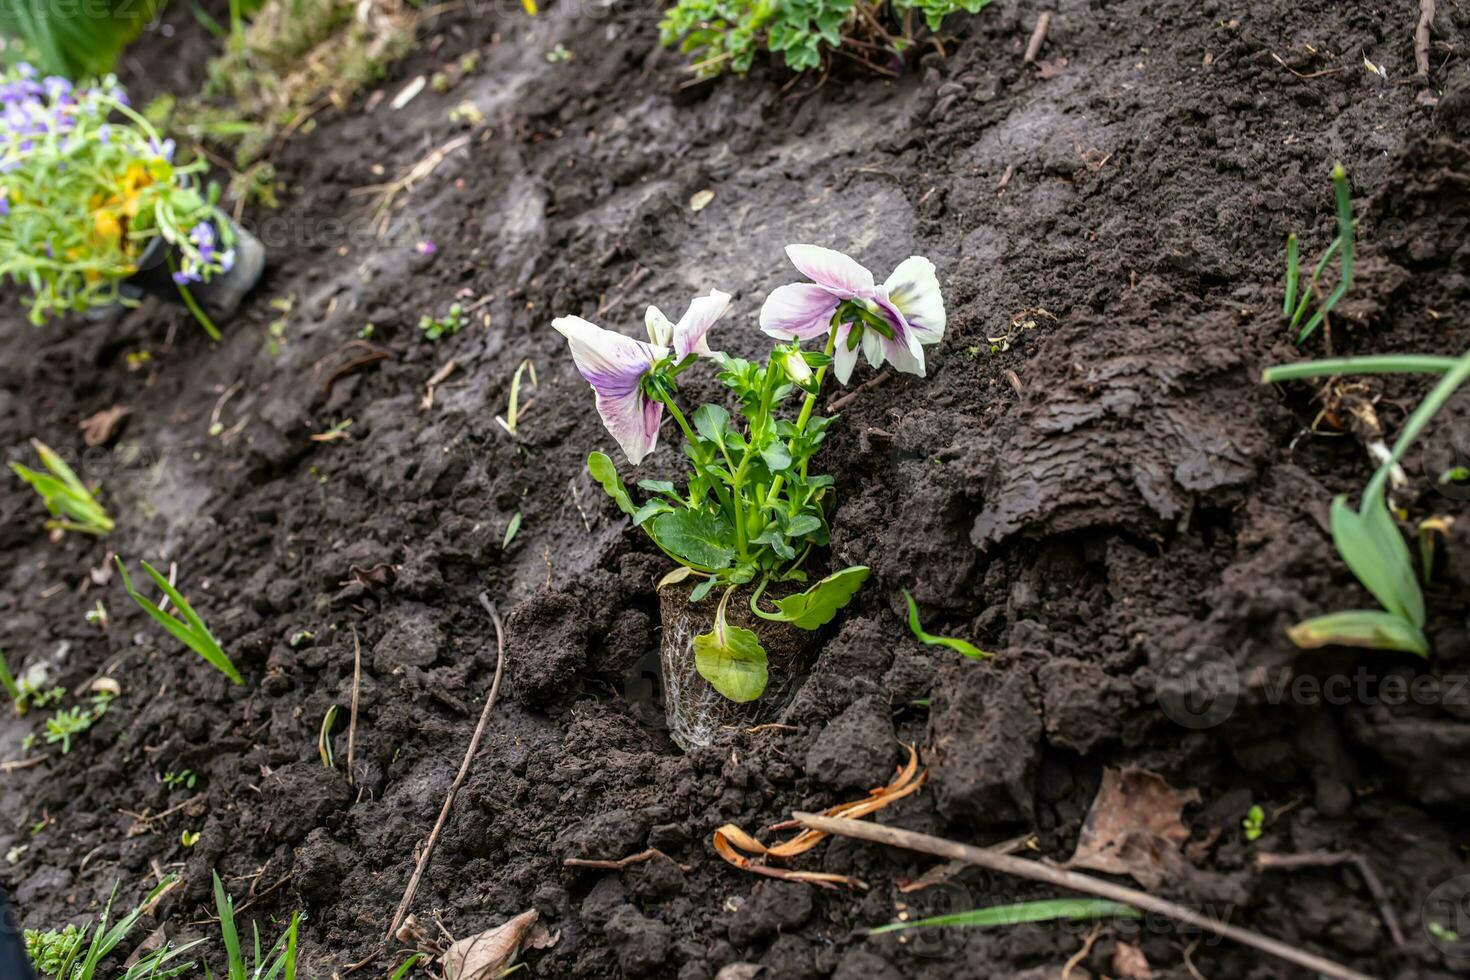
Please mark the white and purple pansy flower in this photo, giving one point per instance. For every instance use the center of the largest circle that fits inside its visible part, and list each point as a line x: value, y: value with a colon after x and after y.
x: 891, y: 322
x: 616, y: 366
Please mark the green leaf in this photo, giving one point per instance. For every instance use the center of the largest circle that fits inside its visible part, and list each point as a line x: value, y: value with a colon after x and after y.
x: 700, y: 539
x: 711, y: 421
x: 815, y: 607
x: 658, y: 486
x: 777, y: 542
x: 802, y: 525
x: 701, y: 590
x: 959, y: 646
x: 650, y: 509
x: 605, y: 473
x: 1009, y: 915
x: 1373, y: 548
x: 731, y: 658
x: 1370, y: 628
x: 777, y: 457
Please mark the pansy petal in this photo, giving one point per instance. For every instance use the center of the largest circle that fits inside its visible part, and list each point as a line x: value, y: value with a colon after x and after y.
x: 606, y: 359
x: 690, y: 331
x: 660, y: 329
x: 904, y: 334
x: 798, y: 310
x: 914, y: 290
x: 633, y: 420
x: 902, y: 357
x: 614, y: 366
x: 839, y: 274
x: 843, y: 358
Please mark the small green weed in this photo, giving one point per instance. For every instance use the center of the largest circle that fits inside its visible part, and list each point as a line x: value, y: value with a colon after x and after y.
x: 728, y: 34
x: 72, y: 506
x: 191, y: 631
x: 1254, y: 823
x: 447, y: 325
x: 70, y: 955
x: 1010, y: 915
x: 959, y: 646
x: 1296, y: 307
x: 282, y: 955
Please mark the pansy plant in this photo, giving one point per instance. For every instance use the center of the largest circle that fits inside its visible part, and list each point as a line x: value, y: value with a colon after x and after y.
x: 86, y: 185
x: 750, y: 511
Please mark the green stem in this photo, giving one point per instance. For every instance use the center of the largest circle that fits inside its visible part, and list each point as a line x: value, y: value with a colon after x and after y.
x: 1375, y: 364
x: 1431, y: 404
x: 701, y: 460
x: 193, y: 306
x: 806, y: 412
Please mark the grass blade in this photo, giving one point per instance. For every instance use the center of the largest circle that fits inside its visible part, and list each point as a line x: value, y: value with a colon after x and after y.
x: 1371, y: 628
x: 225, y: 907
x: 193, y: 633
x: 1293, y: 272
x: 1010, y: 915
x: 1344, y: 196
x: 1376, y: 364
x: 959, y: 646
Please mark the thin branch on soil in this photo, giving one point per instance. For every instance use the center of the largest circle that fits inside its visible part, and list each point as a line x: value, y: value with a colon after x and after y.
x: 352, y: 718
x: 881, y: 378
x: 1322, y: 859
x: 15, y: 765
x: 1036, y: 871
x: 143, y: 822
x: 1081, y: 954
x: 1038, y: 37
x: 1307, y: 74
x: 386, y: 193
x: 1421, y: 38
x: 620, y: 863
x: 464, y: 771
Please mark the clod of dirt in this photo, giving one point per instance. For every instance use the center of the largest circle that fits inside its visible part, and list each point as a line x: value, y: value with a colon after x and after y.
x: 1082, y: 704
x: 413, y: 640
x: 985, y: 727
x: 859, y: 964
x: 603, y: 900
x: 791, y: 958
x: 609, y: 836
x: 320, y: 860
x: 545, y: 648
x: 484, y: 956
x: 855, y: 750
x: 299, y: 797
x: 641, y: 944
x: 656, y: 879
x: 772, y: 907
x: 1134, y: 827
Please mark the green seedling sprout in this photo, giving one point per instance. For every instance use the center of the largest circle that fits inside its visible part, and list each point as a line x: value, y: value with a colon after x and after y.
x: 191, y: 631
x: 64, y: 955
x: 7, y: 681
x: 511, y: 530
x: 62, y: 725
x: 1368, y: 539
x: 1254, y: 823
x: 324, y: 739
x: 1010, y: 915
x: 408, y: 964
x: 1296, y: 306
x: 280, y: 961
x: 959, y: 646
x: 447, y: 325
x: 72, y: 506
x: 512, y: 410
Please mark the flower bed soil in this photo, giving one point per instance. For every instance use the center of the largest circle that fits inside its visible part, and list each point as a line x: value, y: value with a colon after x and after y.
x: 1108, y: 502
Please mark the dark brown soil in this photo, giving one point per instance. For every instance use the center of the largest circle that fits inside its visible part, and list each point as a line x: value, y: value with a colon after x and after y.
x: 1110, y: 502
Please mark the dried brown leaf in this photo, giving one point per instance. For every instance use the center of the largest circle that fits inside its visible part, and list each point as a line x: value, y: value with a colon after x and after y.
x: 99, y: 429
x: 482, y: 957
x: 1134, y: 827
x: 1129, y: 963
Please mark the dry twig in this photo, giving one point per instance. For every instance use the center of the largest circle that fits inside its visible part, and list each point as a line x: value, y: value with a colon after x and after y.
x: 1038, y: 37
x: 1322, y: 859
x: 1036, y: 871
x: 464, y: 771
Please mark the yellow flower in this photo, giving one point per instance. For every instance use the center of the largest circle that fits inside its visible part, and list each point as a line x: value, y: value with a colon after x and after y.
x: 105, y: 226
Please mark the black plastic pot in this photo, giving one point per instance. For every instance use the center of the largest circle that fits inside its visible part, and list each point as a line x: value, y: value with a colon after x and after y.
x: 13, y: 962
x: 221, y: 295
x: 697, y: 714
